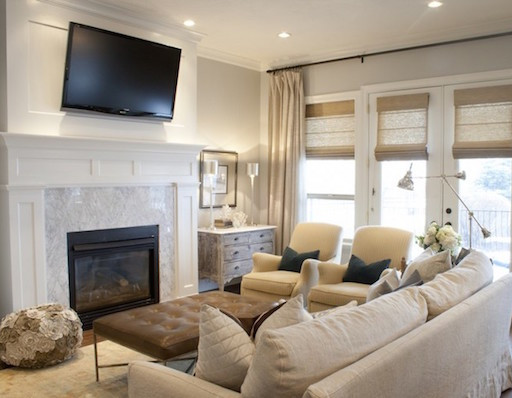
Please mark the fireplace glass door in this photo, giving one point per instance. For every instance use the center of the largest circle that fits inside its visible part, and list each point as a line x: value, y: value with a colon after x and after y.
x: 104, y: 280
x: 112, y: 270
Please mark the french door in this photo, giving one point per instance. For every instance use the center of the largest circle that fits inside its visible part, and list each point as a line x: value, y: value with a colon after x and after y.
x: 486, y: 190
x: 411, y: 210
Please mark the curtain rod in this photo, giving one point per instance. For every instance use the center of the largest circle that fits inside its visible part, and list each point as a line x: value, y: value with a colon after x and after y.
x: 396, y: 50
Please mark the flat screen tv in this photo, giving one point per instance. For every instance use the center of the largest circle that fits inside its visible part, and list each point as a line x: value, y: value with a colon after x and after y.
x: 117, y: 74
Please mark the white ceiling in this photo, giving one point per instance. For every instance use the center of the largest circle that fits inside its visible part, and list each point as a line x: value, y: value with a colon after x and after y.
x: 245, y: 31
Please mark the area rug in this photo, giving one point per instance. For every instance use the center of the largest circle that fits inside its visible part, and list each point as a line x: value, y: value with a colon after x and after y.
x: 73, y: 378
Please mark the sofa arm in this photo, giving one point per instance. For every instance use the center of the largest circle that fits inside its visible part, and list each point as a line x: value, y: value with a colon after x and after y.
x: 307, y: 279
x: 265, y: 262
x: 329, y: 273
x: 146, y: 379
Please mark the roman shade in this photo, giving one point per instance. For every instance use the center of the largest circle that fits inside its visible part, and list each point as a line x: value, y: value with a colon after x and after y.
x: 402, y: 127
x: 483, y: 122
x: 330, y: 130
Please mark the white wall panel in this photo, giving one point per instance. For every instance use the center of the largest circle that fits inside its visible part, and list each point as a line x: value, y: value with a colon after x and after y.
x: 35, y: 48
x: 46, y: 56
x: 186, y: 239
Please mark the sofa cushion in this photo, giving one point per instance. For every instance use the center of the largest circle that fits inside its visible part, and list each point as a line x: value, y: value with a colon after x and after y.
x: 274, y: 282
x: 429, y: 265
x: 288, y: 360
x: 225, y: 349
x: 292, y: 260
x: 335, y: 310
x: 453, y: 286
x: 337, y: 294
x: 384, y: 285
x: 359, y: 271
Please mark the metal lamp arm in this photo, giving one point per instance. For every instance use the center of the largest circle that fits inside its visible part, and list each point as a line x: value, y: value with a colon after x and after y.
x: 443, y: 177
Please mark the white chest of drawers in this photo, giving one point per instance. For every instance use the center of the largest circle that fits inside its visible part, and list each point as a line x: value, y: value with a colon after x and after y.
x: 225, y: 254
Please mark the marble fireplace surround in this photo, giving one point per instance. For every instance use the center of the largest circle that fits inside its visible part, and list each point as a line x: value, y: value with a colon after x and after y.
x: 51, y: 185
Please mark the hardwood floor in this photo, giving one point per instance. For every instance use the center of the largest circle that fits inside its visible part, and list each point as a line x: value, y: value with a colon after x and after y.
x: 89, y: 339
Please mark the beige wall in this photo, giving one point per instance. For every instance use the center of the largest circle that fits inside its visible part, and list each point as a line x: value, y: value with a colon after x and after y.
x: 469, y: 57
x: 3, y: 75
x: 228, y: 118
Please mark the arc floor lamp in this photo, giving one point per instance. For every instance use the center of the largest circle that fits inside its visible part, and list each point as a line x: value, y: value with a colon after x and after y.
x: 407, y: 183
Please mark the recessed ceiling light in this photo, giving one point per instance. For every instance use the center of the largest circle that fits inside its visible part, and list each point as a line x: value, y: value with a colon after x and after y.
x: 284, y: 35
x: 189, y: 23
x: 435, y: 4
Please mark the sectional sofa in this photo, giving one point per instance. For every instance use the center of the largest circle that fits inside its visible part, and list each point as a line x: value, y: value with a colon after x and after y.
x: 446, y: 338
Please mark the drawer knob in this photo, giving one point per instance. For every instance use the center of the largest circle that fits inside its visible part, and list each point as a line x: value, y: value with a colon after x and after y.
x: 235, y: 253
x: 237, y: 267
x: 262, y: 248
x: 261, y: 236
x: 236, y: 239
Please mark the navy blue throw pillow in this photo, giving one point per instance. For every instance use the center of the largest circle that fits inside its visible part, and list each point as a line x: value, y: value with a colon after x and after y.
x: 292, y: 261
x: 358, y: 271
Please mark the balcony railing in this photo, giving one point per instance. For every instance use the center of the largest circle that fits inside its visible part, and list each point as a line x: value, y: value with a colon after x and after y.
x: 497, y: 246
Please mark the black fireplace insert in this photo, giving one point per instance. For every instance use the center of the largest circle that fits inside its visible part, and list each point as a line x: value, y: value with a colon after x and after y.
x: 112, y: 270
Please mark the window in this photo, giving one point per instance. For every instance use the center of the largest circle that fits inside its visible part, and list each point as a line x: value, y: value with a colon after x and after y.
x: 487, y: 192
x: 330, y: 165
x: 330, y: 186
x: 483, y: 147
x: 401, y: 123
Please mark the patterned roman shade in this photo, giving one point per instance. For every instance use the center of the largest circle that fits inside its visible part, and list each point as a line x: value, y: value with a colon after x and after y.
x: 402, y: 127
x: 483, y: 122
x: 330, y: 130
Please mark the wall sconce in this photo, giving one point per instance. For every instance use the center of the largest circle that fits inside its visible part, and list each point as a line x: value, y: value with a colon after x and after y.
x: 407, y: 183
x: 211, y: 168
x: 252, y: 171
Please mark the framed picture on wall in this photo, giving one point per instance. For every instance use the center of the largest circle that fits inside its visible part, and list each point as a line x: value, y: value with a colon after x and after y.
x: 223, y: 185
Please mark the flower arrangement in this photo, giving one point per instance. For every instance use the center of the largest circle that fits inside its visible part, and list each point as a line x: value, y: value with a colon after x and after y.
x: 39, y: 336
x: 440, y: 238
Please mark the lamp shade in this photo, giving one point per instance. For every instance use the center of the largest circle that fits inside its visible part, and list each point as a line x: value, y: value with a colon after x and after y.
x: 252, y: 169
x: 210, y: 167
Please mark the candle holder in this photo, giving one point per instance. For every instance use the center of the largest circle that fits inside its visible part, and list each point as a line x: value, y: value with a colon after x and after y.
x: 211, y: 168
x: 252, y: 172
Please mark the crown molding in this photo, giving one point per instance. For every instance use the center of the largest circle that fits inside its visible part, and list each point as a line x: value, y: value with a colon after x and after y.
x: 120, y: 14
x: 228, y: 58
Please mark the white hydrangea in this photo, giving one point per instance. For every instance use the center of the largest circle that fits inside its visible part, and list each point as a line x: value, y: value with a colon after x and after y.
x: 440, y: 238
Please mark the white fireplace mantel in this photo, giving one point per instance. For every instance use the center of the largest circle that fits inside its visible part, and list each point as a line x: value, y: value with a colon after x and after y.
x: 31, y: 164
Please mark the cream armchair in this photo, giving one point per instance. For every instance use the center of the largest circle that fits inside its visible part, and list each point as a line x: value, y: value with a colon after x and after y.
x: 371, y: 244
x: 266, y: 281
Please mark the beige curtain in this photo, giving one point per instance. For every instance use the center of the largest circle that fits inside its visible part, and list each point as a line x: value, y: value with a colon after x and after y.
x: 286, y: 153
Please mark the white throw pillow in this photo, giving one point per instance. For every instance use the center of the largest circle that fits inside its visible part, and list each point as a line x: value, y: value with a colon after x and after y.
x: 288, y: 360
x: 384, y: 285
x: 225, y: 349
x: 290, y: 313
x: 429, y: 266
x: 451, y: 287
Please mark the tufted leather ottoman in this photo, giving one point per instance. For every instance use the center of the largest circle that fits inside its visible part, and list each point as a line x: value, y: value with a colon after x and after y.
x: 170, y: 329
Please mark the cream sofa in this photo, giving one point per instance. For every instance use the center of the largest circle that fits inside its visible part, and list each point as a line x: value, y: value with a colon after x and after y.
x: 384, y: 348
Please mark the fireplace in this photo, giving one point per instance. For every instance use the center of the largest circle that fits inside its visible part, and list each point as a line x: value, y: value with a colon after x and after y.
x: 111, y: 270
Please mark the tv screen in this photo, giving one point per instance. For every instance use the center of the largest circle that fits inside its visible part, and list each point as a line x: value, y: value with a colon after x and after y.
x: 117, y: 74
